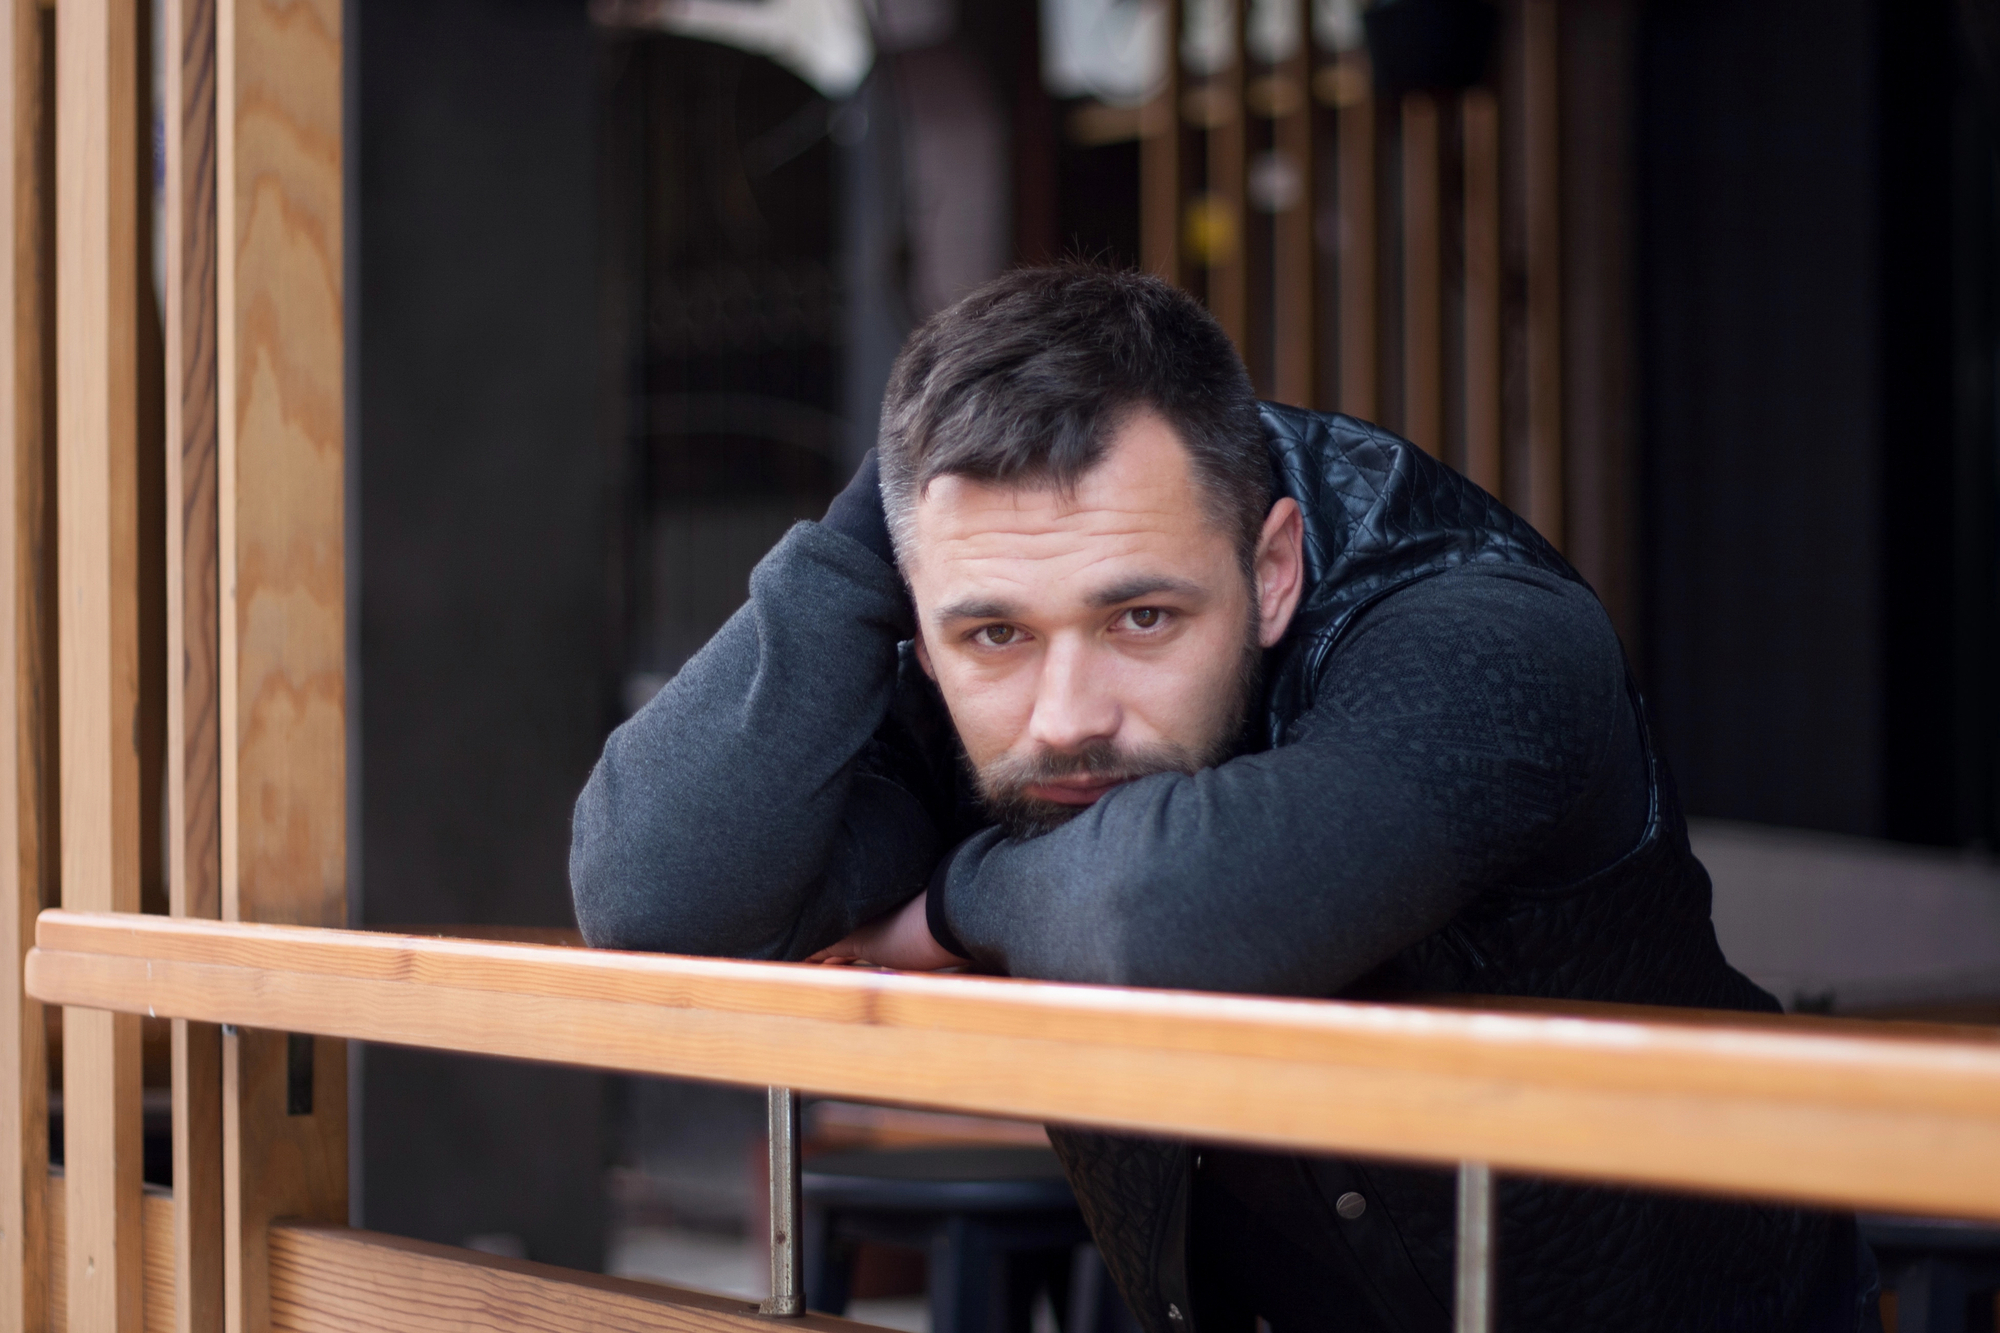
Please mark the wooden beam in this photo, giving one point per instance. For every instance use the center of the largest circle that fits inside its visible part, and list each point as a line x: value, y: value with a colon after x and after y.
x: 27, y: 659
x: 282, y: 616
x: 156, y: 1214
x: 1294, y: 298
x: 332, y: 1280
x: 1360, y: 332
x: 1840, y: 1113
x: 1423, y: 276
x: 1480, y: 117
x: 97, y: 242
x: 1160, y: 163
x: 1542, y: 154
x: 193, y: 751
x: 1225, y: 140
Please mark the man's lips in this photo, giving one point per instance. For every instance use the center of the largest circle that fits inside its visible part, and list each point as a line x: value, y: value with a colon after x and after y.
x: 1079, y: 791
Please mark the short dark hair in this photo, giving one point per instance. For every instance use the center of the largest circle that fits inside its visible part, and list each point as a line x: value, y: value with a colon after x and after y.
x: 1025, y: 380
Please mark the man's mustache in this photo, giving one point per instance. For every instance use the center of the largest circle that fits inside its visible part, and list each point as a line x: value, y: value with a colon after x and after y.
x: 1099, y: 761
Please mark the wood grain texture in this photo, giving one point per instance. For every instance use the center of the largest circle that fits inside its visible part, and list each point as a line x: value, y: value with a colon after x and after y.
x: 156, y: 1212
x: 28, y: 795
x: 1480, y: 120
x: 1541, y: 130
x: 193, y: 751
x: 97, y: 242
x: 328, y: 1279
x: 1840, y: 1113
x: 1354, y: 137
x: 1294, y: 291
x: 27, y: 662
x: 1423, y: 276
x: 282, y: 618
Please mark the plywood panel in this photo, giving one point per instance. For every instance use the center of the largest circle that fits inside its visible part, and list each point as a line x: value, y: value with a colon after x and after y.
x: 27, y: 660
x: 1824, y: 1111
x: 98, y: 629
x: 193, y: 752
x: 282, y: 614
x: 333, y: 1280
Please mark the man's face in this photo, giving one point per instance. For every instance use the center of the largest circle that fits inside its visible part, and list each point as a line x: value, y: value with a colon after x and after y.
x: 1085, y: 640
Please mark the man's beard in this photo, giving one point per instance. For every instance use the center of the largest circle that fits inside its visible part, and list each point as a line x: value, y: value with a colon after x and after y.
x: 1003, y: 784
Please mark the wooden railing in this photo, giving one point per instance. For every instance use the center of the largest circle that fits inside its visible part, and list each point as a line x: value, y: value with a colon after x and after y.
x: 1899, y: 1117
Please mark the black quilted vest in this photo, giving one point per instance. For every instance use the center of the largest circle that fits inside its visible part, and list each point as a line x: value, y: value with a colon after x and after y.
x: 1379, y: 515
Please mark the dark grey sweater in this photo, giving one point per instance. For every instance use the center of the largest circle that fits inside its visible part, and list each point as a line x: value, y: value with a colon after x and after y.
x: 1473, y: 730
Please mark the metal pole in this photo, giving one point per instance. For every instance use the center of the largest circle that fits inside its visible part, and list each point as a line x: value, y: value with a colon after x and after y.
x: 787, y: 1295
x: 1473, y: 1312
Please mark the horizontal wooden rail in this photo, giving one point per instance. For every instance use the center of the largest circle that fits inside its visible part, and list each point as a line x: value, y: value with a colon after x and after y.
x: 1901, y: 1117
x: 328, y: 1279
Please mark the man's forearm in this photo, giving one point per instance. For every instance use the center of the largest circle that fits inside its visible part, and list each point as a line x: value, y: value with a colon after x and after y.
x: 717, y: 814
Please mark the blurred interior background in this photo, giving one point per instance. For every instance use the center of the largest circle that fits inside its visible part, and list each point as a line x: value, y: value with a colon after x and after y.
x: 1709, y: 289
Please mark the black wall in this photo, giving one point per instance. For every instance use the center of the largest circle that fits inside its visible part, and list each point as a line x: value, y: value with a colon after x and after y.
x: 483, y: 674
x: 1818, y: 490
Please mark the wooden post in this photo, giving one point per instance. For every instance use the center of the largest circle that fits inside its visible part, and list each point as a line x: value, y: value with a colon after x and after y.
x: 282, y: 616
x: 27, y: 663
x: 1423, y: 279
x: 1294, y: 300
x: 1227, y: 132
x: 1354, y: 132
x: 97, y: 242
x: 1480, y: 114
x: 194, y: 776
x: 1160, y: 164
x: 1542, y: 149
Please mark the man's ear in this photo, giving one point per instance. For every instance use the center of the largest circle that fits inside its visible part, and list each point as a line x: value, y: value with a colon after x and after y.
x: 923, y: 654
x: 1279, y: 570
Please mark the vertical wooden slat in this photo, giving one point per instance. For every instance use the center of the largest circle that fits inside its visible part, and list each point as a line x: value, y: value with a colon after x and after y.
x: 1293, y: 295
x: 194, y: 777
x: 1228, y: 131
x: 1354, y: 134
x: 27, y: 770
x: 283, y: 608
x: 1480, y: 116
x: 98, y: 627
x: 1423, y: 282
x: 1542, y: 148
x: 1160, y: 164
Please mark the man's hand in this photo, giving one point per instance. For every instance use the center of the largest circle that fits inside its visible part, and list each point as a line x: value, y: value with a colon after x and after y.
x: 901, y: 938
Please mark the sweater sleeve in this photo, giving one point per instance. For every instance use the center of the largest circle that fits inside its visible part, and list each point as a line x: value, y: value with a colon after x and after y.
x: 735, y: 814
x: 1472, y: 730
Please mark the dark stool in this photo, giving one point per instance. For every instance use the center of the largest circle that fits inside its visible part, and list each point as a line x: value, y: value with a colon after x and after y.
x: 997, y: 1225
x: 1936, y: 1267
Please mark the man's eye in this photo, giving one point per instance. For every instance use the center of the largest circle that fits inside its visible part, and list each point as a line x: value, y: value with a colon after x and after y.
x: 998, y: 636
x: 1145, y: 617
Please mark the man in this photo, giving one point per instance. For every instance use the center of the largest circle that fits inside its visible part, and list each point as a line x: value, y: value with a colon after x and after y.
x: 1115, y: 676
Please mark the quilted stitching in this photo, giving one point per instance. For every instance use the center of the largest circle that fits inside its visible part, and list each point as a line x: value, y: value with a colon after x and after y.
x: 1379, y: 514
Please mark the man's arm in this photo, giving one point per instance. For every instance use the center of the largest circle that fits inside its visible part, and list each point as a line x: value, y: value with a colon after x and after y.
x: 731, y: 816
x: 1473, y: 729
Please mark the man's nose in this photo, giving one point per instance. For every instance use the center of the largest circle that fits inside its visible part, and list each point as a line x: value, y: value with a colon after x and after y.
x: 1072, y: 706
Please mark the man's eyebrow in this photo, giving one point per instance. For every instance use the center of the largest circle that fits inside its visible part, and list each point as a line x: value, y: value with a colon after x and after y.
x: 1145, y: 585
x: 979, y: 608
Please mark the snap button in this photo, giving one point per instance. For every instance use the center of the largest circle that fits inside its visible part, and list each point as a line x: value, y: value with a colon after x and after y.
x: 1350, y: 1205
